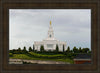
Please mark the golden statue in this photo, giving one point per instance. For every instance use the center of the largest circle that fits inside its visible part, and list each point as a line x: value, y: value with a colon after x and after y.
x: 50, y: 22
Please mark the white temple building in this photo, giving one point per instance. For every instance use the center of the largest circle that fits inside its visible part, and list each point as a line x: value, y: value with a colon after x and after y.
x: 50, y: 42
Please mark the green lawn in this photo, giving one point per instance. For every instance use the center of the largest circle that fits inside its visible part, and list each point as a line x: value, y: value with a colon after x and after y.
x: 36, y: 56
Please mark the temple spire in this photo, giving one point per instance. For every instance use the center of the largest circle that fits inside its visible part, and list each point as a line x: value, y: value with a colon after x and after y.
x: 50, y: 32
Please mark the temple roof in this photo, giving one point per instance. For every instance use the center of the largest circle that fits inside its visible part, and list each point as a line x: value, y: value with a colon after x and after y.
x: 51, y: 39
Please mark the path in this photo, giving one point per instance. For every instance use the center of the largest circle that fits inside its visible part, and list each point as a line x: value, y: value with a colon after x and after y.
x: 35, y: 61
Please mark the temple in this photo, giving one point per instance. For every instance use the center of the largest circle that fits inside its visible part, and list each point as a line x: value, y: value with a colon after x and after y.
x: 50, y: 42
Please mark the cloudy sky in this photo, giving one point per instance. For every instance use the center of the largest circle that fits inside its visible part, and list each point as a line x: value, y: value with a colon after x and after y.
x: 29, y: 25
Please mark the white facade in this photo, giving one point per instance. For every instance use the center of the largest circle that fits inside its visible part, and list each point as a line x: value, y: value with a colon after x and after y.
x: 50, y: 42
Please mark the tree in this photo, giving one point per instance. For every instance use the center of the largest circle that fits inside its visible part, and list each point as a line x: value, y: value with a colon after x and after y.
x: 85, y: 50
x: 89, y: 51
x: 71, y: 51
x: 30, y: 49
x: 14, y: 51
x: 19, y: 50
x: 57, y: 48
x: 33, y: 47
x: 63, y: 48
x: 80, y: 50
x: 42, y: 48
x: 24, y: 50
x: 68, y: 49
x: 75, y: 50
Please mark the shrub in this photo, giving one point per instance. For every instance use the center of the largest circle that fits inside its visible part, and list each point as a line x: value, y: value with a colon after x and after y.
x: 10, y: 54
x: 47, y: 56
x: 57, y: 48
x: 42, y: 48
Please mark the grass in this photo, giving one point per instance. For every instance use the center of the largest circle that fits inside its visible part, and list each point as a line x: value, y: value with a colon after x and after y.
x: 36, y: 56
x: 46, y: 56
